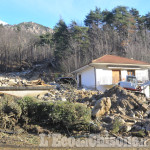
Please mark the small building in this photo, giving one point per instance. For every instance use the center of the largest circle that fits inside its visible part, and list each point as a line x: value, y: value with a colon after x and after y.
x: 108, y: 70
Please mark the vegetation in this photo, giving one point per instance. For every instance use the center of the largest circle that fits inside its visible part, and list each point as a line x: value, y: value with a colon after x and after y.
x: 58, y: 116
x: 116, y: 125
x: 121, y: 31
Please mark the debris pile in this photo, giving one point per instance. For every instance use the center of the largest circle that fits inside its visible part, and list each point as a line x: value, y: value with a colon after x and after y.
x: 72, y: 95
x: 16, y: 82
x: 130, y: 110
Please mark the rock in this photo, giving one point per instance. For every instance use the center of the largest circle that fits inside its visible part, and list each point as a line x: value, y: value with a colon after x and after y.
x: 93, y: 102
x: 144, y: 107
x: 108, y: 119
x: 121, y: 110
x: 105, y: 133
x: 63, y: 99
x: 147, y: 114
x: 101, y: 107
x: 137, y: 127
x: 122, y: 121
x: 132, y: 114
x: 45, y: 98
x: 125, y: 128
x: 147, y: 126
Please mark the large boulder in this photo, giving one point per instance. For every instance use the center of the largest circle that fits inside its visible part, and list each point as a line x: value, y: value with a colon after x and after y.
x: 101, y: 107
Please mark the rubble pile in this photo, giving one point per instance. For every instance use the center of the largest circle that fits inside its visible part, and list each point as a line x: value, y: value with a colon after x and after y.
x: 72, y: 95
x: 116, y: 111
x: 130, y: 110
x: 10, y: 82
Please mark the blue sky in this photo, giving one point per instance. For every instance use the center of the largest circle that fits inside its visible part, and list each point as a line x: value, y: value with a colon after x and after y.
x: 48, y: 12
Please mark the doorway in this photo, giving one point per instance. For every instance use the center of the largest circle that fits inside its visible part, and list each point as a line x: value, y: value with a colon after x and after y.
x: 116, y: 76
x: 80, y: 83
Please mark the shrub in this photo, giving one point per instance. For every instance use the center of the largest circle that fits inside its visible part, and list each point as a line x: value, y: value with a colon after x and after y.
x: 71, y: 116
x: 116, y: 125
x: 29, y: 109
x: 10, y: 112
x: 53, y: 115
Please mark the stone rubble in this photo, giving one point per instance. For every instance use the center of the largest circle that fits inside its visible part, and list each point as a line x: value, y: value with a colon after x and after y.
x: 132, y: 110
x: 72, y: 95
x: 16, y: 82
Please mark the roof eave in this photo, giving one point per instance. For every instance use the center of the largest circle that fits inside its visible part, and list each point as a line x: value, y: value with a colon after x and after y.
x: 79, y: 69
x: 105, y: 64
x: 121, y: 64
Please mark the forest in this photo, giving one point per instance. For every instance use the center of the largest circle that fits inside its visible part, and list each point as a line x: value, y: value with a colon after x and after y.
x: 121, y: 31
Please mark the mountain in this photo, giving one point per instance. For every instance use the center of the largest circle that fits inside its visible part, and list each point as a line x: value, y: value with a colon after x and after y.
x: 34, y: 28
x: 31, y: 27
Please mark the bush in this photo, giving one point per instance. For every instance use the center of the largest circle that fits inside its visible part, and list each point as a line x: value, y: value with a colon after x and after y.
x: 58, y: 115
x: 116, y: 125
x: 10, y: 112
x: 71, y: 116
x: 29, y: 106
x: 53, y: 115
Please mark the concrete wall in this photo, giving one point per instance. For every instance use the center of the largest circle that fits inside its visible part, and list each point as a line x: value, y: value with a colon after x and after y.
x: 142, y: 75
x: 103, y: 78
x: 26, y: 92
x: 123, y: 75
x: 87, y: 78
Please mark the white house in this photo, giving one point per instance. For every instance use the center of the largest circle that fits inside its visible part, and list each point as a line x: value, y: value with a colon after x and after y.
x: 108, y: 70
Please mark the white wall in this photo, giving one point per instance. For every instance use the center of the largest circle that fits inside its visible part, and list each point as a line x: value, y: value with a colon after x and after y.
x: 103, y: 77
x: 87, y: 78
x: 142, y: 75
x: 123, y: 75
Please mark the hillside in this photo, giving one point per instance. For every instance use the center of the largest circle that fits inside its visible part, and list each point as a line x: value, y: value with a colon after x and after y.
x: 34, y: 28
x: 31, y: 27
x: 121, y: 31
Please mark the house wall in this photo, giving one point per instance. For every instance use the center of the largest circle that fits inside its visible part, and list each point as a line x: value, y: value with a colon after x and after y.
x: 87, y: 78
x: 103, y: 76
x: 142, y: 75
x: 103, y: 79
x: 123, y: 75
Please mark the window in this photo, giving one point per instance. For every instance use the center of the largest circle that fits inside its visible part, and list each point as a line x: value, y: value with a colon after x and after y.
x: 131, y: 72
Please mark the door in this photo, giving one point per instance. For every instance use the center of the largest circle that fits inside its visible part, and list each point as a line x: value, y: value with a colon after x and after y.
x: 116, y: 74
x: 80, y: 80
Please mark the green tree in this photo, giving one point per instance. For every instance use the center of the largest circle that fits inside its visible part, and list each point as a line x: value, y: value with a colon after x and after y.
x: 121, y: 18
x: 107, y: 17
x: 46, y: 39
x: 138, y: 19
x: 147, y: 20
x: 94, y: 17
x: 61, y: 39
x: 79, y: 43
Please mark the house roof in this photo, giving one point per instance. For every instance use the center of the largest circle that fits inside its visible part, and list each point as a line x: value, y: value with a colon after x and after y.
x: 119, y: 60
x: 114, y: 61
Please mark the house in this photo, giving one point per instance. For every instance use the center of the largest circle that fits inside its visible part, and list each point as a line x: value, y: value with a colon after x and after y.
x: 108, y: 70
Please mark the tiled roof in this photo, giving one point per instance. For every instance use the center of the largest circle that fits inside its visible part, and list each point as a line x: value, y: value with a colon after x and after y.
x: 118, y: 60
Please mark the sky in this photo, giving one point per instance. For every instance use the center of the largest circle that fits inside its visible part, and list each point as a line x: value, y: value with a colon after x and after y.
x: 49, y: 12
